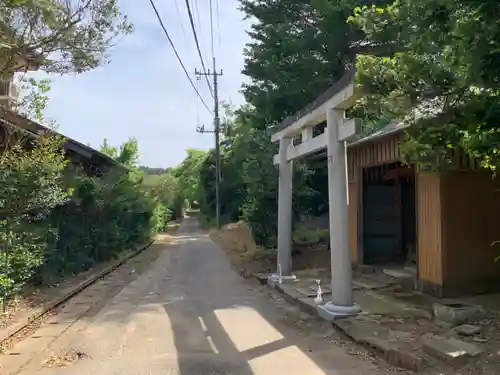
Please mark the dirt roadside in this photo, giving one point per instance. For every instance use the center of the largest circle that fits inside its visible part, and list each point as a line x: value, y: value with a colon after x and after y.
x: 248, y: 259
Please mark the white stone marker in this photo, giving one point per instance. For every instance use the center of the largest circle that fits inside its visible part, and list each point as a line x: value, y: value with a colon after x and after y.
x: 319, y: 293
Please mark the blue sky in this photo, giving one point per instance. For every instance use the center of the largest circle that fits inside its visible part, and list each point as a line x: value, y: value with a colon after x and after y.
x: 143, y: 92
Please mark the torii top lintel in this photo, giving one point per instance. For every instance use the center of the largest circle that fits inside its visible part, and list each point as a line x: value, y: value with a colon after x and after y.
x: 341, y: 95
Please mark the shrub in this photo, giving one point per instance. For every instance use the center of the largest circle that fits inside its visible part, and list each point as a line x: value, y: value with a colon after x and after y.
x: 105, y: 217
x: 31, y: 186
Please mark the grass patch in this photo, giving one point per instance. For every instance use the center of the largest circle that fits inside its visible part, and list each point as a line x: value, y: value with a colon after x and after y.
x: 306, y: 237
x: 206, y: 222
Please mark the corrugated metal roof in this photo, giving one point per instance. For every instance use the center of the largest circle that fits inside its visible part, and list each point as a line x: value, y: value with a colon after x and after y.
x: 393, y: 127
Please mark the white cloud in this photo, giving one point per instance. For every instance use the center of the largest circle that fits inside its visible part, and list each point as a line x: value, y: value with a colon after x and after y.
x: 143, y: 92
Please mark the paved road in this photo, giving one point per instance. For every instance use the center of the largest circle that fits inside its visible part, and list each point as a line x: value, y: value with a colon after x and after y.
x: 190, y: 314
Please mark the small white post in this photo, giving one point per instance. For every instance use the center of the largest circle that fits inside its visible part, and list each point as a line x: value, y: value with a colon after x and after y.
x: 285, y: 210
x: 319, y: 293
x: 342, y: 303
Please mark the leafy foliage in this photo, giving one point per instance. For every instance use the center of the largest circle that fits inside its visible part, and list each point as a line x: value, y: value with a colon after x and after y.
x: 445, y: 79
x: 105, y: 217
x: 31, y: 178
x: 297, y: 50
x: 31, y: 174
x: 57, y: 221
x: 433, y: 64
x: 58, y: 35
x: 54, y: 218
x: 187, y: 173
x: 249, y: 180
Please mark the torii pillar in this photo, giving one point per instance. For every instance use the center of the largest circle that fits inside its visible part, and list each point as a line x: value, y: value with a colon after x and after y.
x: 284, y: 264
x: 338, y: 131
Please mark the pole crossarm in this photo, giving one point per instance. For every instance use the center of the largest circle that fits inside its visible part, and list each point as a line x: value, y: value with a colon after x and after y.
x: 201, y: 129
x: 208, y: 73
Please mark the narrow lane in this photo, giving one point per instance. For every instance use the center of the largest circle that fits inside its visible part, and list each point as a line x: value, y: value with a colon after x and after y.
x: 190, y: 314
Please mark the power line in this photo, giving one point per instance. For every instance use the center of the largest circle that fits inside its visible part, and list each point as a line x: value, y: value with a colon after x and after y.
x: 198, y: 19
x: 177, y: 54
x: 218, y: 25
x: 197, y: 105
x: 212, y: 28
x: 197, y: 11
x: 180, y: 20
x: 198, y: 46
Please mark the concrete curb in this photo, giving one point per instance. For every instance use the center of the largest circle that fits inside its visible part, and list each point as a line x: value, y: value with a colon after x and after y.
x: 391, y: 352
x: 10, y: 331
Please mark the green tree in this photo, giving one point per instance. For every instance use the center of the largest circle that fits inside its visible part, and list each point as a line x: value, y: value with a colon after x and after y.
x: 249, y: 179
x: 31, y: 186
x: 35, y: 98
x: 108, y: 149
x: 445, y: 80
x: 298, y: 50
x: 58, y: 35
x: 127, y: 154
x: 188, y: 172
x: 107, y: 216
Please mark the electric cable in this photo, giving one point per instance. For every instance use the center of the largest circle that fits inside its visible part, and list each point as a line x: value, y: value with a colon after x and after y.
x: 177, y: 54
x: 191, y: 20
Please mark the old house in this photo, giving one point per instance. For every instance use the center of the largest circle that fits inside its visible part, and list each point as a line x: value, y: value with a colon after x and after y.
x: 80, y: 155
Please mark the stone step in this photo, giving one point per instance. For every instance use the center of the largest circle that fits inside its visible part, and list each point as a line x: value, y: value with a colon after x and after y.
x: 370, y: 284
x: 411, y: 269
x: 451, y: 350
x: 400, y: 273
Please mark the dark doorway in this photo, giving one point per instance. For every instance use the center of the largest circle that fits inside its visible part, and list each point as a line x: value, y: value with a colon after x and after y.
x: 389, y: 220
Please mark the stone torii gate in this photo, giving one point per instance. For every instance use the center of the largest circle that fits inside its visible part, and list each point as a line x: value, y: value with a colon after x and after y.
x: 330, y: 106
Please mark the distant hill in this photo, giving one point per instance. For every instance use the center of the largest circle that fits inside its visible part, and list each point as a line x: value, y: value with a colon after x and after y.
x: 153, y: 171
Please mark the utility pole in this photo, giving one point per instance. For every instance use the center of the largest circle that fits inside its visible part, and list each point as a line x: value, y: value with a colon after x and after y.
x: 216, y: 130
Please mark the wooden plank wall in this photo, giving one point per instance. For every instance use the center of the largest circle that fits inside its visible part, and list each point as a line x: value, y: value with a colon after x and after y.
x: 380, y: 151
x: 385, y: 150
x: 430, y: 237
x: 353, y: 220
x: 429, y: 228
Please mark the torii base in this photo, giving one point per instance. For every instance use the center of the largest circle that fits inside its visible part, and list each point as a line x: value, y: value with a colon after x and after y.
x: 330, y: 311
x: 274, y: 279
